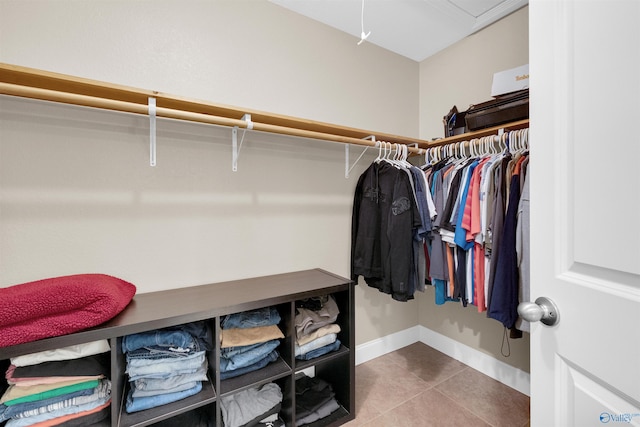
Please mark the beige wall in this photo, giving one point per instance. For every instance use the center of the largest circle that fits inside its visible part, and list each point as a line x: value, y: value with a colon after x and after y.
x: 461, y: 75
x: 77, y: 193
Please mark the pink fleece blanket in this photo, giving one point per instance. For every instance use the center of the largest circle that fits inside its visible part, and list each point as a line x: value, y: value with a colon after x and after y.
x: 61, y: 305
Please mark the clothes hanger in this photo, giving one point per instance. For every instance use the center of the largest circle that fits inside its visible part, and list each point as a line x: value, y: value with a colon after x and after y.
x: 474, y: 148
x: 427, y: 156
x: 485, y: 147
x: 386, y: 152
x: 525, y: 140
x: 377, y: 159
x: 520, y: 144
x: 405, y: 156
x: 494, y: 145
x: 504, y: 142
x: 391, y: 152
x: 401, y: 156
x: 397, y: 158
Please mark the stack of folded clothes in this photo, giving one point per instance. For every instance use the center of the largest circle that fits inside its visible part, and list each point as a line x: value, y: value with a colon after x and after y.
x: 314, y: 400
x: 316, y: 332
x: 248, y: 341
x: 253, y: 407
x: 166, y: 365
x: 67, y: 386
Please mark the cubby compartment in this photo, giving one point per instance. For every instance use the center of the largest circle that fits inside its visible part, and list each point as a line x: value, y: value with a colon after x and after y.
x: 254, y: 403
x: 166, y: 372
x: 335, y: 335
x: 73, y: 384
x: 210, y: 304
x: 317, y: 400
x: 153, y: 415
x: 254, y: 347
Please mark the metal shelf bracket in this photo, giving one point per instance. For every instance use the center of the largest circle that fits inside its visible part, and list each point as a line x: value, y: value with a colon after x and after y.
x: 234, y: 141
x: 347, y: 168
x: 152, y: 131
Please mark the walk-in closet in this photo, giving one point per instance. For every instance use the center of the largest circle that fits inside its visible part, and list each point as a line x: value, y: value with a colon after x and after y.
x: 187, y: 184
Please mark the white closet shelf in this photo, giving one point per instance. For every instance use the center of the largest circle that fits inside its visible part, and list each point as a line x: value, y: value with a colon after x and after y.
x: 32, y: 83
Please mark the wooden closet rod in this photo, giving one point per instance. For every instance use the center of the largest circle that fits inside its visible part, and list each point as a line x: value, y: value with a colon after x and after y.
x: 43, y: 85
x: 48, y: 86
x: 129, y: 107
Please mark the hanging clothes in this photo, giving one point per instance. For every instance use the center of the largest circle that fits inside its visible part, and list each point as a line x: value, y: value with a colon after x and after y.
x: 385, y: 220
x: 504, y: 296
x: 472, y: 247
x: 522, y: 248
x: 456, y: 223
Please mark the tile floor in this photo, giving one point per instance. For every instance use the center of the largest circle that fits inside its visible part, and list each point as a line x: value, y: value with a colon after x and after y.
x: 420, y: 386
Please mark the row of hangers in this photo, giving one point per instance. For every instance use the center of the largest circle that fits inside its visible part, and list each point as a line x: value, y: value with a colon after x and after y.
x: 513, y: 142
x: 395, y: 154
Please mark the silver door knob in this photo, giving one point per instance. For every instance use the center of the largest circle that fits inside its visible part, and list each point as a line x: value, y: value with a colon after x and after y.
x: 543, y: 310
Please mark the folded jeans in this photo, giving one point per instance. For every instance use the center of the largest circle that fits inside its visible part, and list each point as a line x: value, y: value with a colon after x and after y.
x: 244, y: 359
x: 271, y: 357
x: 266, y: 316
x: 320, y: 351
x: 135, y: 404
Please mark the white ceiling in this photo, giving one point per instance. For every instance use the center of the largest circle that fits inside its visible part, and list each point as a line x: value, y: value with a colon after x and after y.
x: 416, y: 29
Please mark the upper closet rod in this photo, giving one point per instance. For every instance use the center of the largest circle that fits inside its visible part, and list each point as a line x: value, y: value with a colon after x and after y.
x: 27, y: 82
x: 130, y: 107
x: 48, y: 86
x: 90, y: 101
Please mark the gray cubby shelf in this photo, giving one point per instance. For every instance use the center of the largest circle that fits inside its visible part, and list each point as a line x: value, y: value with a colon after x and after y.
x: 209, y: 302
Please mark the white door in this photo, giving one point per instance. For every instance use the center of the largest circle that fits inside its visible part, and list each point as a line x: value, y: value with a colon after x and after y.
x: 585, y: 211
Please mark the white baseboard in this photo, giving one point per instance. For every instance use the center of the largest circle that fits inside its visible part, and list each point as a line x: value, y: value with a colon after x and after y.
x: 387, y: 344
x: 488, y: 365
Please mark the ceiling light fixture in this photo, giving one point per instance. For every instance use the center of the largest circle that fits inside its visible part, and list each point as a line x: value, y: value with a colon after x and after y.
x: 363, y: 36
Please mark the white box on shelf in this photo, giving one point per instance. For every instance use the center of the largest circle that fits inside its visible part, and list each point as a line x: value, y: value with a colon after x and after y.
x: 510, y: 80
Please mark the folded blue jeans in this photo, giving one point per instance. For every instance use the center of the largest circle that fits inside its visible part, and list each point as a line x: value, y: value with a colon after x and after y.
x: 320, y: 351
x: 135, y: 393
x: 137, y: 363
x: 165, y: 368
x: 142, y: 403
x: 159, y: 352
x: 317, y: 343
x: 159, y: 384
x: 271, y: 357
x: 242, y: 359
x: 196, y: 336
x: 159, y: 338
x: 266, y: 316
